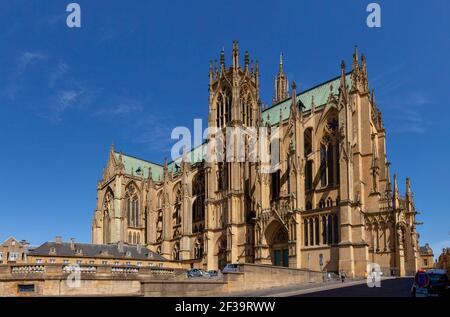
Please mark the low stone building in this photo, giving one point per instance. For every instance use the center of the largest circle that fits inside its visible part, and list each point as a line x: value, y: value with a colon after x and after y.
x: 72, y: 253
x: 443, y: 261
x: 13, y: 251
x: 426, y: 257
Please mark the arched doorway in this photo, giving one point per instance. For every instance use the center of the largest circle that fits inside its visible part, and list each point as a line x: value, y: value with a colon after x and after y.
x: 277, y: 239
x: 222, y: 253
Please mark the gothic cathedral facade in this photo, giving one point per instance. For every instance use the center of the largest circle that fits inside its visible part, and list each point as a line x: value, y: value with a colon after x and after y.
x: 329, y: 206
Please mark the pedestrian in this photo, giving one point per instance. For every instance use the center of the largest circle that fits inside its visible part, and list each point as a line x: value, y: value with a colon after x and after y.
x: 343, y: 275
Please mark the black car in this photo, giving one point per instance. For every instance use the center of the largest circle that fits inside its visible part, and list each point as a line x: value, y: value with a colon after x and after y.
x: 432, y: 283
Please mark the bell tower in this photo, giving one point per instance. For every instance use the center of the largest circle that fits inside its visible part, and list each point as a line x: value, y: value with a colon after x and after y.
x: 234, y: 107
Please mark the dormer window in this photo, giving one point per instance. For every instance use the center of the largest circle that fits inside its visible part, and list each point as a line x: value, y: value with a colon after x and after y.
x: 79, y: 251
x: 128, y: 254
x: 53, y: 250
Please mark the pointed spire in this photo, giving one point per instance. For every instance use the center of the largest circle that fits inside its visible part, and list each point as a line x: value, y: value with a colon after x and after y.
x: 281, y: 84
x: 343, y: 73
x: 313, y: 105
x: 235, y: 55
x: 216, y: 69
x: 210, y: 72
x: 257, y: 75
x: 372, y: 99
x: 355, y: 58
x: 364, y: 77
x: 388, y: 178
x: 166, y: 170
x: 395, y: 185
x: 112, y: 147
x: 222, y: 59
x: 280, y: 69
x: 246, y: 60
x: 408, y: 189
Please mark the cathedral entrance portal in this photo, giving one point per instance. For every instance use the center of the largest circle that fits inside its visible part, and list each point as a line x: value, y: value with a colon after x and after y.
x: 277, y: 239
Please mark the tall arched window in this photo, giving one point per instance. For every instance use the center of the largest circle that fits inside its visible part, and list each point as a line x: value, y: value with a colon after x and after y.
x: 336, y: 228
x: 132, y: 205
x: 177, y: 207
x: 316, y: 225
x: 329, y: 154
x: 305, y: 229
x: 311, y: 231
x: 330, y: 229
x: 324, y: 230
x: 223, y: 108
x: 246, y: 106
x: 198, y: 192
x: 108, y: 211
x: 323, y: 166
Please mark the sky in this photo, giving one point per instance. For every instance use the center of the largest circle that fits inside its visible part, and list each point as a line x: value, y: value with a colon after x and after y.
x: 137, y: 69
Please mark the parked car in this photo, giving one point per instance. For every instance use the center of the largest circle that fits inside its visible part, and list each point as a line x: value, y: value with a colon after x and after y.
x: 230, y: 268
x: 431, y: 283
x: 195, y: 273
x: 212, y: 273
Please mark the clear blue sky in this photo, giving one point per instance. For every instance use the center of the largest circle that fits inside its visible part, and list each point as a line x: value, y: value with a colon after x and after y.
x: 136, y: 69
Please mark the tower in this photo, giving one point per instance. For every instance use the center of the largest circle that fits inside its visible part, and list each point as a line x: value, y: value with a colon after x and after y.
x: 233, y: 115
x: 281, y: 84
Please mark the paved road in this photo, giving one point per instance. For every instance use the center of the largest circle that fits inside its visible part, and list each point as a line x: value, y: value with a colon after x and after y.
x: 398, y: 287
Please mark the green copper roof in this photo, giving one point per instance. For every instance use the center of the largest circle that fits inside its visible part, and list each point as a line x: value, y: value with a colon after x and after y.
x: 320, y: 94
x: 140, y: 167
x: 196, y: 155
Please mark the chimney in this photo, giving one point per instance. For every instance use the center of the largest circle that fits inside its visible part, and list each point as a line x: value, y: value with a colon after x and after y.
x: 58, y: 239
x: 138, y: 247
x: 72, y: 244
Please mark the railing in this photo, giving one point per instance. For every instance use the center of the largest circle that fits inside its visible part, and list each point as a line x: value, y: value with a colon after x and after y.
x: 81, y: 269
x: 124, y: 270
x: 54, y: 270
x: 26, y: 269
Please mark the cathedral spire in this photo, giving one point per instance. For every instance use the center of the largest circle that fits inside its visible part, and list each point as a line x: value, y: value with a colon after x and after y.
x: 246, y: 60
x: 222, y: 60
x: 281, y: 84
x: 166, y: 170
x: 235, y: 55
x: 408, y: 189
x: 211, y: 72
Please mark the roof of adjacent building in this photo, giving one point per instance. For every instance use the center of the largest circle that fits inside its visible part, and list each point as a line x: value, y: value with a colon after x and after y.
x: 319, y: 93
x: 425, y: 249
x: 65, y: 249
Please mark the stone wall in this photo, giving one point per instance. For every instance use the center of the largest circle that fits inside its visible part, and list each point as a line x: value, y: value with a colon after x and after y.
x: 55, y: 280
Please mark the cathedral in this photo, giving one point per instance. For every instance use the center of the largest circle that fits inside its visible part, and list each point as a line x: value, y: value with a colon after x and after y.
x: 330, y: 204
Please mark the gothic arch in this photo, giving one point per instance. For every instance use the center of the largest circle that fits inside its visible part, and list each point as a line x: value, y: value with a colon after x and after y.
x: 107, y: 214
x: 277, y: 239
x: 132, y: 205
x: 222, y: 251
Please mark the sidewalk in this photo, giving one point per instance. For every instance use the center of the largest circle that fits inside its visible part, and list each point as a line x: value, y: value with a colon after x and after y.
x: 292, y: 290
